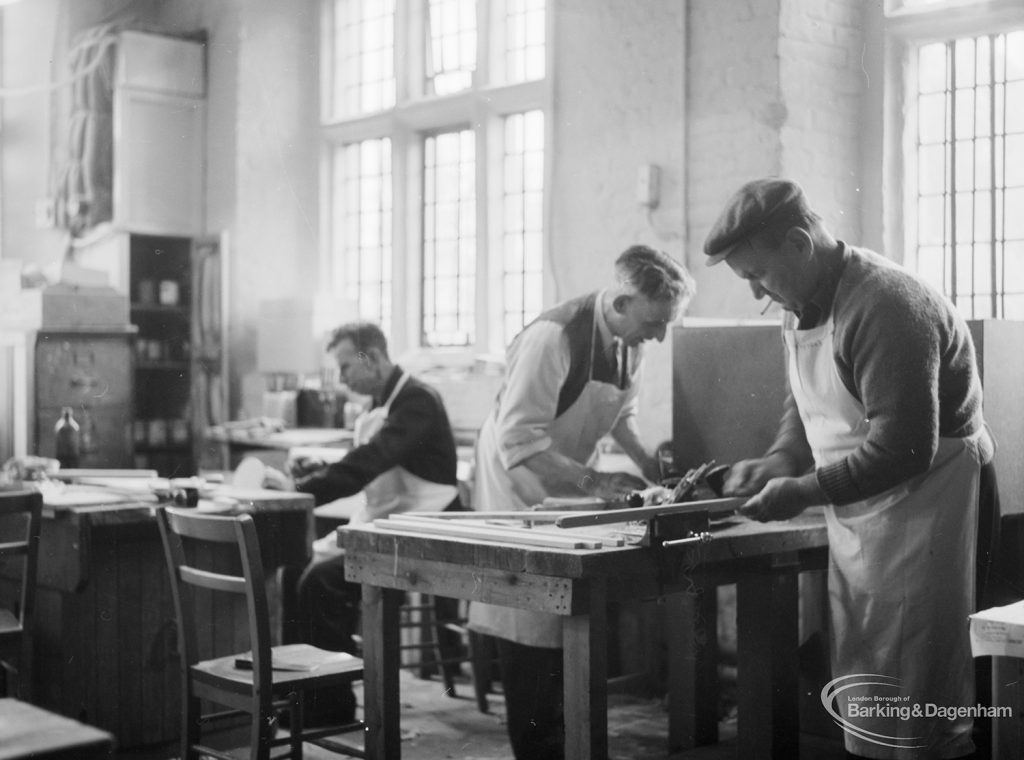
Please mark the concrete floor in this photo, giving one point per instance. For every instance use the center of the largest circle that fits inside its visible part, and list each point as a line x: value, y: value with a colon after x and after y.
x: 436, y: 726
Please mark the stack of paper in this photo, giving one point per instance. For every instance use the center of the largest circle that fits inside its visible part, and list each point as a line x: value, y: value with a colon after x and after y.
x: 998, y: 631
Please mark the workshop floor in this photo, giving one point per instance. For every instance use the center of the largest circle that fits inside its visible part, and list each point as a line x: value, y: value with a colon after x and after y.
x: 439, y: 727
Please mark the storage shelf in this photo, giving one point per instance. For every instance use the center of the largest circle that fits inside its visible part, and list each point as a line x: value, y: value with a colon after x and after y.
x: 156, y: 308
x: 145, y: 448
x: 179, y: 366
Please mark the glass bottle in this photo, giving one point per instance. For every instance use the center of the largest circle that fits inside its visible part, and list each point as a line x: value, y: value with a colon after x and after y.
x: 68, y: 442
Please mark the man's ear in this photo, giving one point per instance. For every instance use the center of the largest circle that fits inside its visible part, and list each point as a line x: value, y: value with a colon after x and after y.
x: 800, y: 240
x: 620, y: 302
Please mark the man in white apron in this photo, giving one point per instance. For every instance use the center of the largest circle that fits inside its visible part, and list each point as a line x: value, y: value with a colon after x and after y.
x: 403, y: 460
x: 883, y: 424
x: 571, y: 379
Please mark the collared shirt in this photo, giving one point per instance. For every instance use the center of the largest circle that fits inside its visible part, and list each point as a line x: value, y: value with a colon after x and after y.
x: 609, y: 343
x: 614, y: 349
x: 541, y: 362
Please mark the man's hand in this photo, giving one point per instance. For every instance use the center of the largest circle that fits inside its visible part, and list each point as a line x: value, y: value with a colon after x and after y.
x: 301, y: 466
x: 750, y: 476
x: 783, y: 498
x: 275, y: 480
x: 612, y: 485
x: 651, y: 470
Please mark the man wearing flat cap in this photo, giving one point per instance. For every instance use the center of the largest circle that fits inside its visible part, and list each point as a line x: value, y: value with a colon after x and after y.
x: 883, y: 424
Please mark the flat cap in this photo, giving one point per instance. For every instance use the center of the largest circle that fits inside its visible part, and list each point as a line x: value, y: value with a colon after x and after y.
x: 750, y: 210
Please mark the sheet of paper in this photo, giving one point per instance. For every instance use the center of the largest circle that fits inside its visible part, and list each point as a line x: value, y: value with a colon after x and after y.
x: 998, y: 631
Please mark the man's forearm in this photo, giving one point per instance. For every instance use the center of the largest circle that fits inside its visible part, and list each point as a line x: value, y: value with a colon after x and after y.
x: 561, y: 475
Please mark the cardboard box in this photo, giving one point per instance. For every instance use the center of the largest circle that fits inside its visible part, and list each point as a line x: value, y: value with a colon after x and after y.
x: 66, y: 306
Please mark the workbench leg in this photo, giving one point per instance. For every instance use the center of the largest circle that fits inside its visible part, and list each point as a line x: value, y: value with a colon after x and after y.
x: 585, y: 678
x: 380, y: 677
x: 691, y: 621
x: 1008, y: 691
x: 768, y: 665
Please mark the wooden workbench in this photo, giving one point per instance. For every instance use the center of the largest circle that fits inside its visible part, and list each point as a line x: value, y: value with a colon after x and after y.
x: 763, y: 560
x: 106, y: 648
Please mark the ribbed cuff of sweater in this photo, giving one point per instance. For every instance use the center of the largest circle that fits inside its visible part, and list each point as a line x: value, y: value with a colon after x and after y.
x: 837, y: 483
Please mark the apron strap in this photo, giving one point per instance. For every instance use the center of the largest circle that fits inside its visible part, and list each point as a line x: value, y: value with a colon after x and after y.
x: 386, y: 406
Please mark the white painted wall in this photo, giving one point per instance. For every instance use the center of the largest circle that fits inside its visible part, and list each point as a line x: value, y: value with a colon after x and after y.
x: 618, y: 84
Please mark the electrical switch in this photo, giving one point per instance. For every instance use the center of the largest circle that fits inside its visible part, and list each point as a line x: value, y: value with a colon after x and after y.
x: 648, y: 177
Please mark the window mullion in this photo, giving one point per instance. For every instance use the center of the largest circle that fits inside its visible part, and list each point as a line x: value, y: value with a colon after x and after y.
x: 951, y: 78
x: 486, y: 221
x: 998, y: 294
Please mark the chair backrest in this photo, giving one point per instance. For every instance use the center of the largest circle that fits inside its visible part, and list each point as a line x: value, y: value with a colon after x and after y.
x: 20, y: 523
x: 199, y: 548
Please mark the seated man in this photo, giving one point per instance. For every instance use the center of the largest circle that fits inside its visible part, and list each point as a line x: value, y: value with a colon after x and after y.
x: 403, y: 461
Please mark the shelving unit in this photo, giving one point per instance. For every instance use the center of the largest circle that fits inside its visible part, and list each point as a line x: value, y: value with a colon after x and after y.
x: 178, y: 349
x: 160, y: 286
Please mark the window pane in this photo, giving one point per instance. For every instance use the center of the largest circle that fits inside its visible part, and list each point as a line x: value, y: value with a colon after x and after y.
x: 449, y: 246
x: 932, y: 120
x: 1014, y: 50
x: 524, y: 40
x: 523, y: 220
x: 362, y: 57
x: 1014, y: 160
x: 451, y: 45
x: 361, y: 219
x: 931, y: 169
x: 969, y: 218
x: 931, y: 266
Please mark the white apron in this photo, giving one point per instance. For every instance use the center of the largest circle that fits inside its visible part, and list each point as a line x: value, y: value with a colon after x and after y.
x: 901, y: 574
x: 575, y: 434
x: 393, y: 491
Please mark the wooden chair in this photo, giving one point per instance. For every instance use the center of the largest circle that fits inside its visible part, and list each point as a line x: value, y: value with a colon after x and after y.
x: 20, y: 518
x: 259, y: 682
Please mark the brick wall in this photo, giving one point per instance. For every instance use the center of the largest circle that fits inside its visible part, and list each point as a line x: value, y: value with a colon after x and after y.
x: 773, y: 88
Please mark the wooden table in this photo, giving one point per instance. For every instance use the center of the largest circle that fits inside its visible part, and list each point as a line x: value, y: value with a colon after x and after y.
x: 763, y: 560
x: 106, y: 648
x: 27, y: 732
x: 271, y: 446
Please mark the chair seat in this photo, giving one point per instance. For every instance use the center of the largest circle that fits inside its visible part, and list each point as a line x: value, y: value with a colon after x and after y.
x: 296, y: 666
x: 9, y: 622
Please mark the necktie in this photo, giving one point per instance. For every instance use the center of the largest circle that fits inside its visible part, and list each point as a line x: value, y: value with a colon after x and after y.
x: 619, y: 362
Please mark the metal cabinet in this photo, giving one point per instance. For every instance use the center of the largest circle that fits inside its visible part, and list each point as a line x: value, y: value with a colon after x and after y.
x: 90, y: 371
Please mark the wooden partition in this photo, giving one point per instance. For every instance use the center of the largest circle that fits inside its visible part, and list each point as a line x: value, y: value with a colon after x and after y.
x: 1000, y: 347
x: 728, y: 387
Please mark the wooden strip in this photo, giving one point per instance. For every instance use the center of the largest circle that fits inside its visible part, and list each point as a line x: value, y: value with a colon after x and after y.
x: 71, y: 474
x: 503, y: 535
x: 524, y: 515
x: 604, y: 540
x: 600, y: 540
x: 711, y: 506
